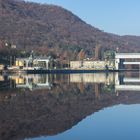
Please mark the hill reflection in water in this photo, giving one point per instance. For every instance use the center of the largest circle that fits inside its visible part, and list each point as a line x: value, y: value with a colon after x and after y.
x: 44, y: 105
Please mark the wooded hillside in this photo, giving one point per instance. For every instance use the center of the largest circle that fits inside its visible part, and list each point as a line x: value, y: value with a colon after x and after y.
x: 53, y: 30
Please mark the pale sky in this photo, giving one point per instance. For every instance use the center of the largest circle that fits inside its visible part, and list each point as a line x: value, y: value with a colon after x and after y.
x: 115, y: 16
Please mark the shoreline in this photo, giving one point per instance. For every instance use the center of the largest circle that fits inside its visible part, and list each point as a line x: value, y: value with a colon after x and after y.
x: 63, y: 71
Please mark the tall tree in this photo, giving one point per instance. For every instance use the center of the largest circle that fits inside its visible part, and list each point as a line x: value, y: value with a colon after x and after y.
x: 81, y: 55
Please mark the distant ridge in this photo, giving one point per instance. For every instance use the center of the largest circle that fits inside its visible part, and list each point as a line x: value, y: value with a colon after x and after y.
x: 47, y: 27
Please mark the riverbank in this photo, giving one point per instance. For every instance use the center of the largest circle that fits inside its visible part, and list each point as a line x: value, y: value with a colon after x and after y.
x: 63, y: 71
x: 55, y: 71
x: 66, y: 71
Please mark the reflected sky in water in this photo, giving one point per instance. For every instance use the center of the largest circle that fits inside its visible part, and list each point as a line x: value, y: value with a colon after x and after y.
x: 76, y: 106
x: 117, y: 123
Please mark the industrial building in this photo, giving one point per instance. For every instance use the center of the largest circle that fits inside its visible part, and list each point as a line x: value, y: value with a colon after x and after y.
x: 91, y: 65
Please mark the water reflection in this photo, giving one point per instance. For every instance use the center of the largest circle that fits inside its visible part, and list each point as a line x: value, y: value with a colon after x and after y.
x: 43, y: 105
x: 119, y: 81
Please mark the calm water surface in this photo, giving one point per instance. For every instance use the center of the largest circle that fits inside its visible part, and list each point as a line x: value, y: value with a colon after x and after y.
x: 67, y: 107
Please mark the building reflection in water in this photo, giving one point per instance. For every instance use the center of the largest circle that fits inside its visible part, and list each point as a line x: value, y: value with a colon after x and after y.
x: 40, y: 105
x: 127, y: 82
x: 98, y: 81
x: 32, y: 82
x: 92, y: 78
x: 107, y: 81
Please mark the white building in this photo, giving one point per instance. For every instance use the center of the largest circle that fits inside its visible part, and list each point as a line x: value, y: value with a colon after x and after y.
x: 88, y: 64
x: 33, y: 63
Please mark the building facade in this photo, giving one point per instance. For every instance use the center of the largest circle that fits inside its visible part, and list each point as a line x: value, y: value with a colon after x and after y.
x: 33, y: 63
x: 90, y: 64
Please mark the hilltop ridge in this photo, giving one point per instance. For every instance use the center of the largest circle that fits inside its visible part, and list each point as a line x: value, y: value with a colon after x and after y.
x: 49, y: 27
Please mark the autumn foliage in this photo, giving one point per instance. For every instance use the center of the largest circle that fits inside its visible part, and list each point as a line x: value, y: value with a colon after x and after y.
x: 52, y: 30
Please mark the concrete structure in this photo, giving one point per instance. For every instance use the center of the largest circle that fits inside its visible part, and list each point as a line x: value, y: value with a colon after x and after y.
x: 41, y: 62
x: 89, y: 64
x: 120, y: 59
x: 75, y: 64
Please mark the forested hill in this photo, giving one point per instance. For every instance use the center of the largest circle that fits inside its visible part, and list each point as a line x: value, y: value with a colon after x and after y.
x: 49, y: 27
